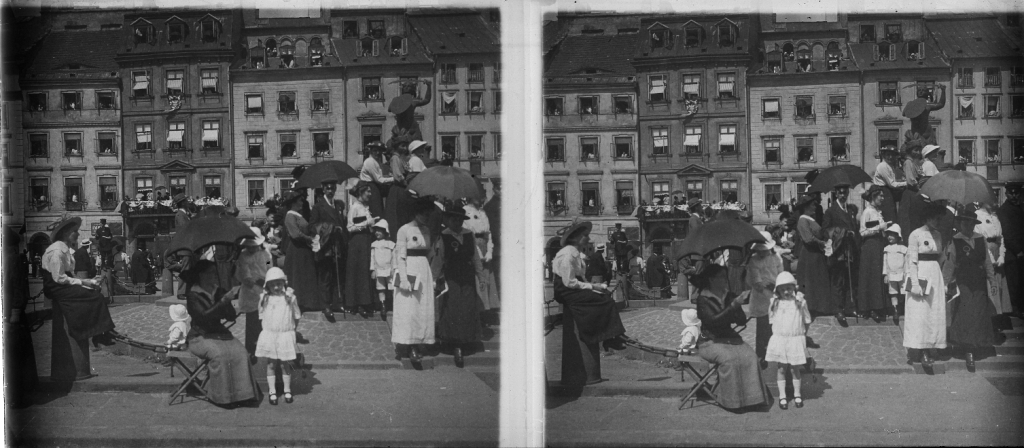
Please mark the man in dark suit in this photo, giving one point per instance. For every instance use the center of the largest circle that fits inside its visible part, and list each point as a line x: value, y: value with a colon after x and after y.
x: 106, y: 242
x: 658, y: 278
x: 841, y: 225
x: 330, y: 259
x: 597, y: 266
x: 1011, y: 218
x: 620, y: 243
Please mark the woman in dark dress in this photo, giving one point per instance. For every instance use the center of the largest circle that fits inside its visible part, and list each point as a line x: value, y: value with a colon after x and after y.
x: 967, y: 267
x: 299, y: 264
x: 359, y: 289
x: 458, y: 310
x: 812, y: 265
x: 397, y: 193
x: 230, y: 380
x: 142, y: 265
x: 871, y: 288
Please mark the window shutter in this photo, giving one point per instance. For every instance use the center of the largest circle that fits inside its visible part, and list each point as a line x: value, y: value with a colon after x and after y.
x: 892, y: 52
x: 874, y: 51
x: 359, y: 47
x: 920, y: 49
x: 405, y: 46
x: 668, y: 39
x: 376, y: 47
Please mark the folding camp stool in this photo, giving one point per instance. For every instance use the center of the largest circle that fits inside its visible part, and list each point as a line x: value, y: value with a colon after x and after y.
x: 702, y: 380
x: 191, y: 375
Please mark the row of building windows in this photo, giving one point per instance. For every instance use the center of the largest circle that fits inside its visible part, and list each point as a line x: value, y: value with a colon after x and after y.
x: 967, y: 150
x: 176, y: 139
x: 474, y: 74
x: 287, y: 102
x: 991, y: 103
x: 175, y: 83
x: 256, y: 190
x: 692, y: 142
x: 474, y: 102
x: 694, y: 35
x: 71, y: 101
x: 286, y: 55
x: 621, y: 148
x: 588, y: 105
x: 803, y: 107
x: 287, y: 144
x: 476, y: 149
x: 177, y: 30
x: 657, y: 87
x: 72, y: 144
x: 694, y: 189
x: 993, y: 77
x: 74, y: 198
x: 838, y: 148
x: 590, y: 198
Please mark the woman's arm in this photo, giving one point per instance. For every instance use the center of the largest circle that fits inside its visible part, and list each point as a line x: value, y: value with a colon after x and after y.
x: 53, y: 262
x: 295, y: 230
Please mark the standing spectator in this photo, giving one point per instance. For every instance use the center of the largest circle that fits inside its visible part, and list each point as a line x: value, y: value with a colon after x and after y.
x: 413, y: 319
x: 658, y: 277
x: 620, y: 243
x: 967, y: 265
x: 696, y: 215
x: 635, y: 274
x: 142, y: 265
x: 478, y: 223
x: 871, y: 288
x: 763, y: 269
x: 924, y: 328
x: 181, y: 215
x: 397, y: 193
x: 358, y: 284
x: 372, y: 174
x: 597, y: 266
x: 328, y: 214
x: 1011, y: 216
x: 299, y: 266
x: 382, y: 254
x: 84, y: 266
x: 812, y: 264
x: 885, y: 177
x: 105, y: 238
x: 840, y: 224
x: 458, y: 310
x: 895, y: 257
x: 998, y: 290
x: 252, y: 266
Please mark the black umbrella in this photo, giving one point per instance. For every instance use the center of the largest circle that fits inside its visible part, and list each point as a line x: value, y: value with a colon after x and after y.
x: 202, y: 232
x: 447, y: 182
x: 717, y: 235
x: 848, y: 175
x: 327, y: 170
x: 959, y: 187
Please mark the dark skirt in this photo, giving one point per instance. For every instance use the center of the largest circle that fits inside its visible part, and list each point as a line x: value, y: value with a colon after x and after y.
x: 872, y: 290
x: 253, y: 328
x: 458, y: 313
x: 359, y: 288
x: 300, y: 268
x: 889, y: 204
x: 397, y: 210
x: 84, y: 309
x: 971, y: 316
x: 739, y: 374
x: 812, y: 275
x: 597, y: 318
x: 376, y: 203
x: 911, y: 213
x: 230, y: 379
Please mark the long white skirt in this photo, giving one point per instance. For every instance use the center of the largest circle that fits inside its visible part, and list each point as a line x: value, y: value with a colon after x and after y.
x: 413, y: 318
x: 925, y: 319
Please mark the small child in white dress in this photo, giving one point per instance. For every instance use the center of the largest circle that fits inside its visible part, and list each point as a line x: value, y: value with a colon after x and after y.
x: 381, y: 252
x: 180, y: 328
x: 691, y: 332
x: 280, y: 314
x: 789, y: 317
x: 893, y: 267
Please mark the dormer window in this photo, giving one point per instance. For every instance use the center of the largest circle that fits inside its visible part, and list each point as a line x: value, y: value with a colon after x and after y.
x: 915, y: 50
x: 176, y: 31
x: 692, y: 36
x: 376, y: 29
x: 397, y: 46
x: 867, y: 33
x: 726, y: 36
x: 832, y: 59
x: 894, y: 33
x: 660, y: 38
x: 788, y: 54
x: 349, y: 29
x: 271, y: 47
x: 287, y: 55
x: 885, y: 51
x: 256, y: 57
x: 774, y: 62
x: 209, y: 29
x: 316, y: 52
x: 143, y: 33
x: 367, y: 47
x: 803, y: 59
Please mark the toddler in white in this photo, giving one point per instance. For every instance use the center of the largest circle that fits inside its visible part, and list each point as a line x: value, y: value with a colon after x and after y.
x: 691, y: 332
x: 895, y: 257
x: 381, y: 252
x: 280, y: 314
x: 179, y: 329
x: 789, y: 317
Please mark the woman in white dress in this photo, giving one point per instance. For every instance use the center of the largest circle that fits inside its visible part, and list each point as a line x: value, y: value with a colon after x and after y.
x: 486, y: 286
x: 414, y: 288
x: 998, y: 291
x: 924, y: 329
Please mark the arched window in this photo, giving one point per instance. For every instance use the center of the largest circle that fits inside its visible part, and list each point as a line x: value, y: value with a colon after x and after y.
x: 315, y: 42
x: 271, y: 48
x: 316, y: 52
x: 803, y: 58
x: 287, y: 53
x: 833, y: 45
x: 257, y: 57
x: 788, y: 53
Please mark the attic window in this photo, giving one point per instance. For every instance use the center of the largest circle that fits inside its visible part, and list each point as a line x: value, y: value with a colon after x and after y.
x: 774, y: 62
x: 143, y: 33
x: 368, y: 47
x: 271, y: 47
x: 660, y: 38
x: 803, y: 60
x: 787, y: 52
x: 74, y: 66
x: 208, y: 30
x: 349, y: 29
x: 726, y: 38
x: 591, y: 71
x: 832, y: 59
x: 75, y: 27
x: 915, y: 50
x: 893, y: 33
x: 287, y: 54
x: 867, y: 33
x: 376, y: 29
x: 884, y: 51
x: 175, y: 32
x: 397, y: 46
x: 592, y: 31
x: 692, y: 36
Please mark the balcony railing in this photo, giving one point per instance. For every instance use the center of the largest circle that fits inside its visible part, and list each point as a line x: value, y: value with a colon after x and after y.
x: 556, y: 209
x: 73, y: 206
x: 591, y: 210
x: 624, y: 210
x: 670, y: 212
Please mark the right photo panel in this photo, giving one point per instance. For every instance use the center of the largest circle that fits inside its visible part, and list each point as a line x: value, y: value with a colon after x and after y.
x: 783, y: 227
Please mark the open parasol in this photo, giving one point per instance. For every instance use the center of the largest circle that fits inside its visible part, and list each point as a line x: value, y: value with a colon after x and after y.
x: 446, y: 182
x: 959, y: 188
x: 832, y: 177
x: 327, y: 170
x: 717, y: 235
x: 202, y: 232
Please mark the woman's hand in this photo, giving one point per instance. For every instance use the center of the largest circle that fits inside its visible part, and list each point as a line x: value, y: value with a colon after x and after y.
x: 916, y: 290
x: 405, y: 285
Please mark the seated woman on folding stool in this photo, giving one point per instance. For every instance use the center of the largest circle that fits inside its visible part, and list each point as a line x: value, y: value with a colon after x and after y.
x: 230, y: 380
x: 739, y: 373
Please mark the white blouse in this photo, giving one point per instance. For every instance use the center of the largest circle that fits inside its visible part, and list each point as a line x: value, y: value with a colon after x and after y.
x: 359, y: 210
x: 871, y: 214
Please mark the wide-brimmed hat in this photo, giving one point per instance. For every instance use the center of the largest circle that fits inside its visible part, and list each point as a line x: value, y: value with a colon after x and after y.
x: 580, y: 227
x: 417, y: 144
x: 457, y: 211
x: 178, y: 198
x: 275, y: 273
x: 68, y: 225
x: 689, y: 317
x: 928, y: 149
x: 768, y: 245
x: 257, y: 241
x: 895, y: 228
x: 693, y: 201
x: 291, y: 197
x: 178, y: 313
x: 381, y: 224
x: 785, y: 278
x: 803, y: 201
x: 970, y: 214
x: 85, y: 243
x: 375, y: 146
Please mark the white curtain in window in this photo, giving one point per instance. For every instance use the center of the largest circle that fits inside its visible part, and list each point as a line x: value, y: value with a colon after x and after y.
x: 691, y: 88
x: 966, y: 101
x: 174, y: 84
x: 449, y: 97
x: 175, y: 136
x: 660, y: 139
x: 771, y: 106
x: 657, y: 86
x: 725, y: 86
x: 144, y: 138
x: 141, y: 82
x: 728, y: 139
x: 209, y: 135
x: 692, y: 140
x: 254, y: 101
x: 209, y: 82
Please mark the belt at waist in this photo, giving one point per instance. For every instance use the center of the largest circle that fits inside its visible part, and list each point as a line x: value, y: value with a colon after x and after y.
x: 871, y: 224
x: 480, y: 235
x: 994, y: 239
x: 417, y: 252
x: 928, y: 257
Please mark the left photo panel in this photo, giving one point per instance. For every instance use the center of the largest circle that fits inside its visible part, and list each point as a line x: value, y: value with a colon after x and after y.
x: 235, y: 226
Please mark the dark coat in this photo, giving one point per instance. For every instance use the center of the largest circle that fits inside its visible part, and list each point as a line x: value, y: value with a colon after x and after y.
x: 657, y: 275
x: 620, y: 243
x: 1011, y: 217
x: 105, y: 238
x: 836, y: 218
x: 141, y: 272
x: 597, y: 265
x: 84, y: 262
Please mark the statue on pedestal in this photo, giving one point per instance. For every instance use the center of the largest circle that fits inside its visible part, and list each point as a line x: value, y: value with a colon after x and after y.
x: 404, y: 107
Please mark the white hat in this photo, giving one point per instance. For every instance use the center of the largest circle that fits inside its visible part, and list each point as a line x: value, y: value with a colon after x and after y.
x: 928, y: 149
x: 416, y: 144
x: 275, y: 273
x: 769, y: 245
x: 85, y: 243
x: 258, y: 241
x: 690, y: 318
x: 785, y: 278
x: 895, y: 228
x: 382, y: 224
x: 601, y: 247
x: 178, y: 313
